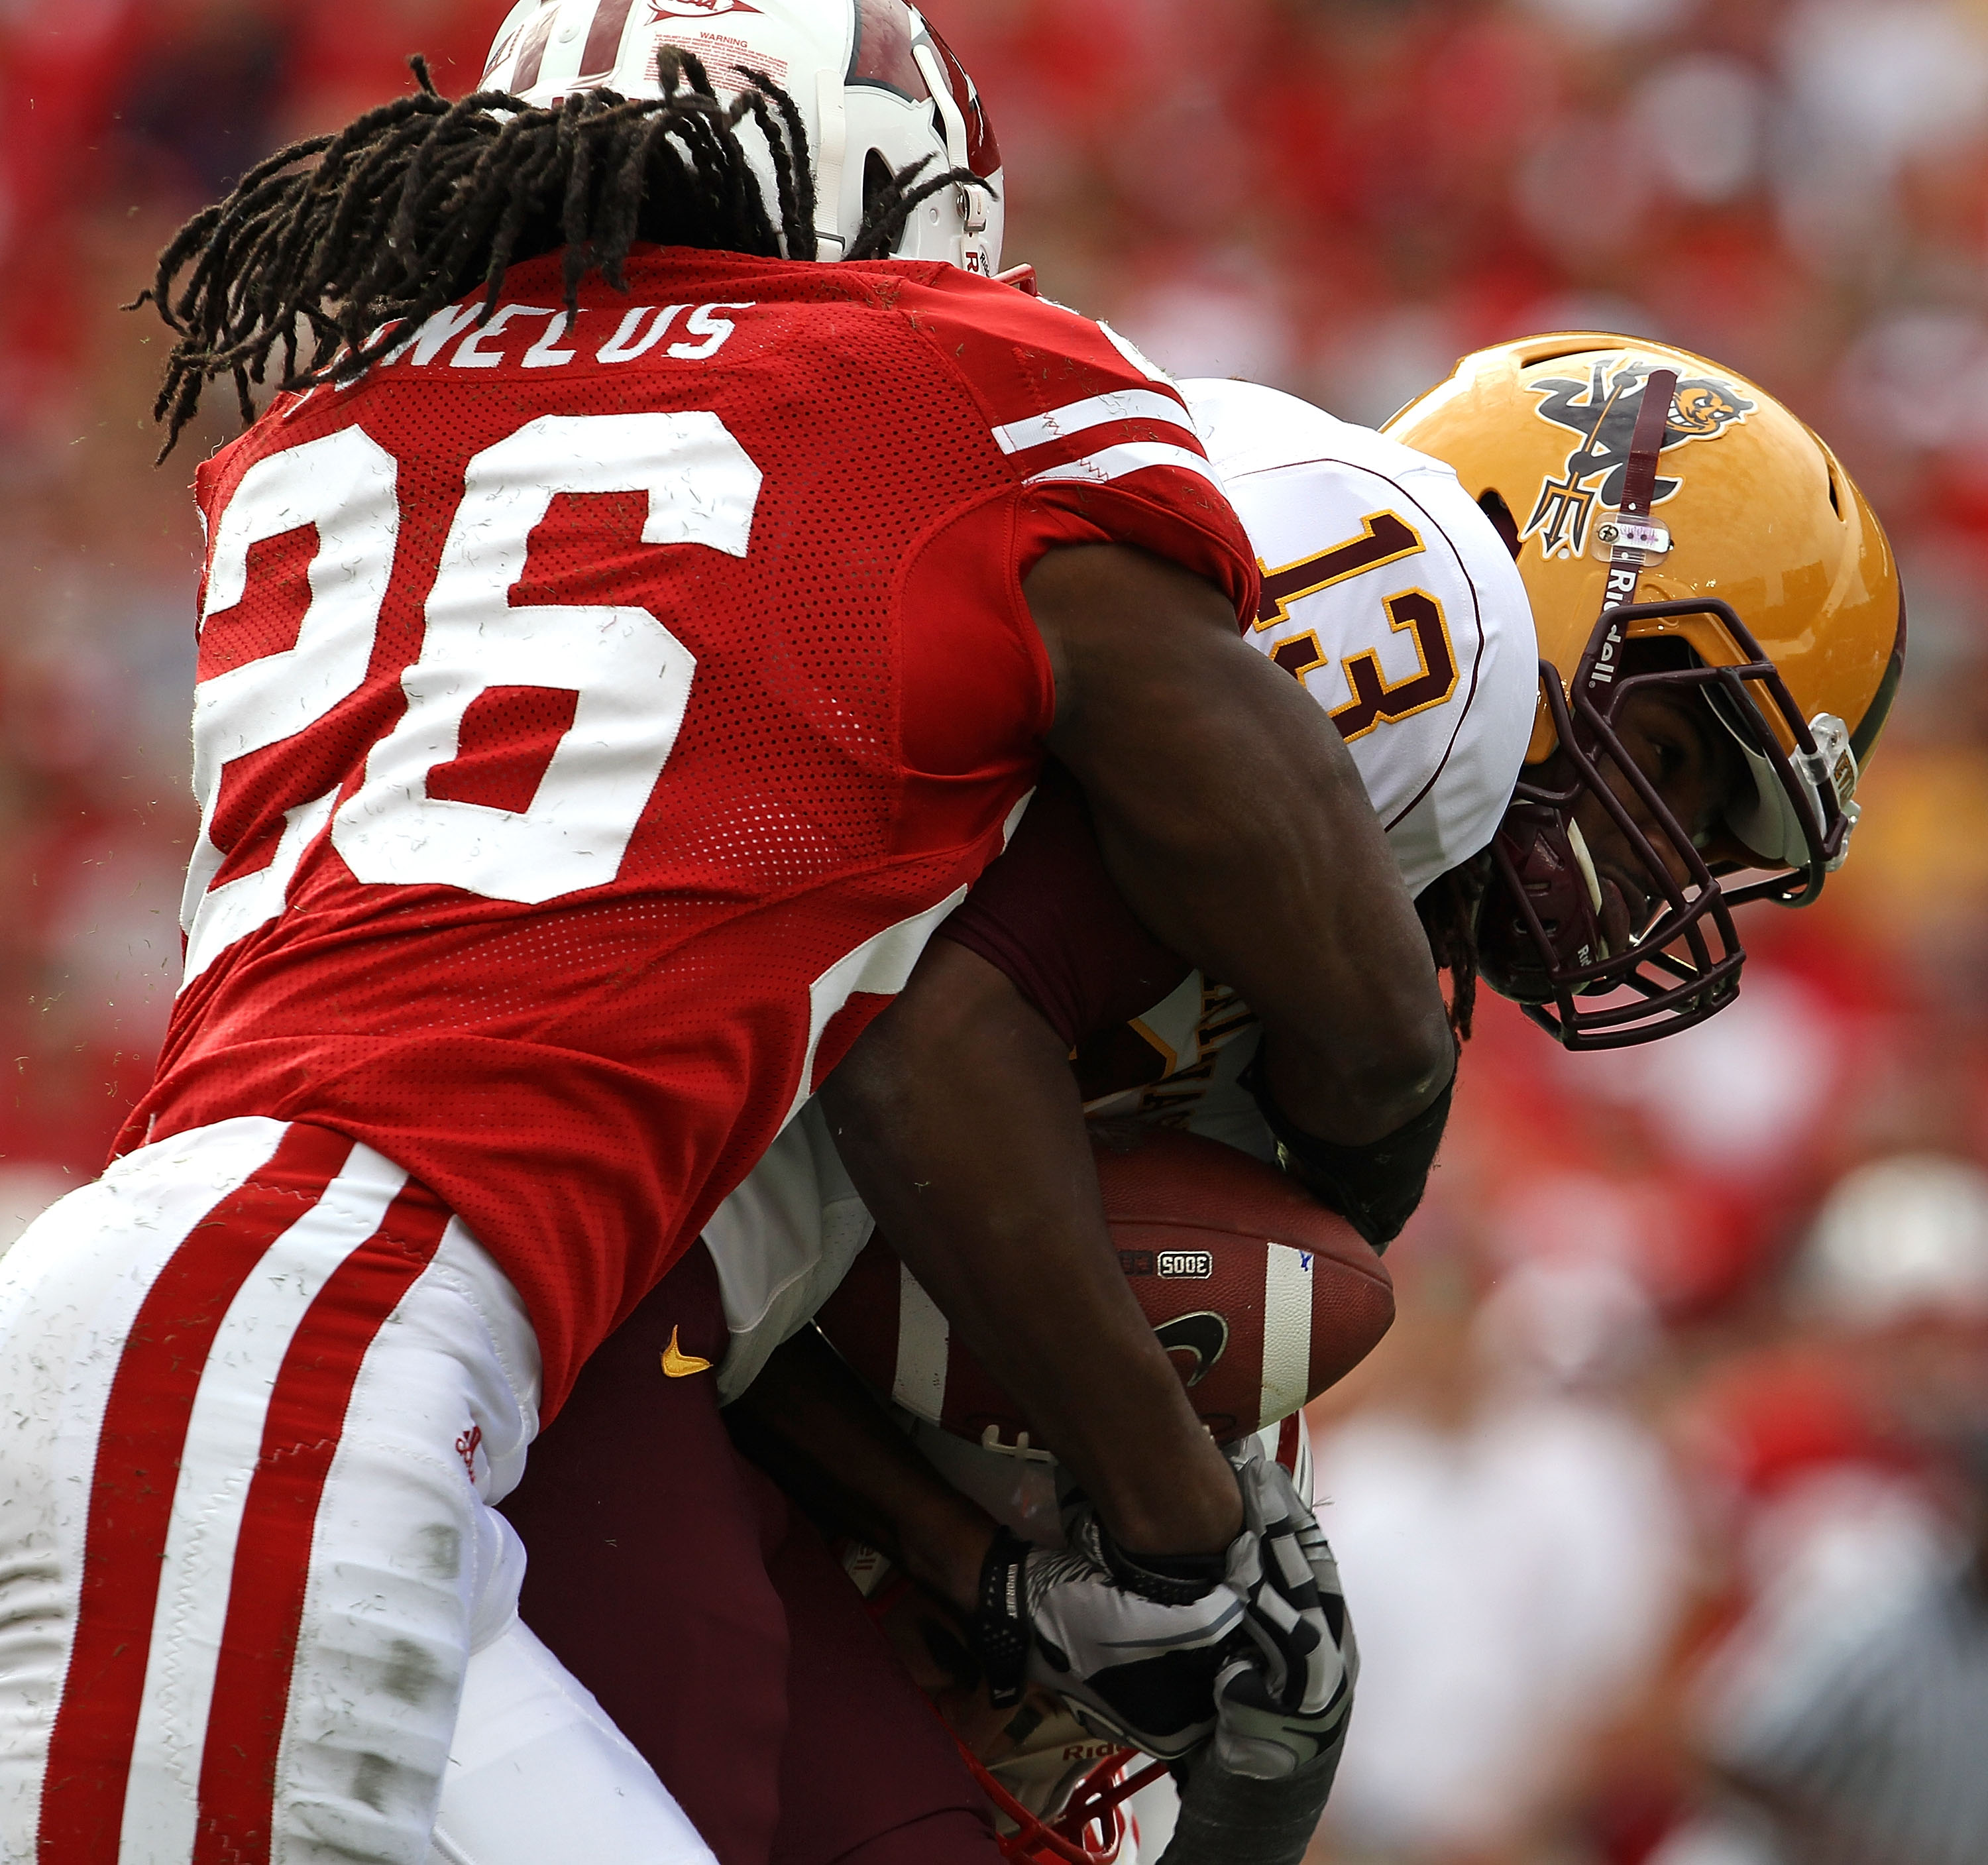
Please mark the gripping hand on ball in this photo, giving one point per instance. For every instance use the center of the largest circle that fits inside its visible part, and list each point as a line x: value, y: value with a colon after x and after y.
x: 1283, y: 1697
x: 1135, y: 1652
x: 1250, y: 1647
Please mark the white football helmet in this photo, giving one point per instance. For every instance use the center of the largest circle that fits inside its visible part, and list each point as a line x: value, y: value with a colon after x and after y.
x: 876, y: 86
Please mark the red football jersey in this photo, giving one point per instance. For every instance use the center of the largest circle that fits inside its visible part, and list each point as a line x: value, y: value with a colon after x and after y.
x: 596, y: 714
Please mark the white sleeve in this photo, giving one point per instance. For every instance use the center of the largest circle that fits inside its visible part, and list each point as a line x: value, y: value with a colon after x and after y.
x: 782, y: 1242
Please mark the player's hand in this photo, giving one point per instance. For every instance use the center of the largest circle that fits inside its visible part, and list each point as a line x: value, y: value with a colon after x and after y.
x: 1130, y: 1666
x: 1254, y: 1649
x: 1134, y: 1653
x: 1282, y: 1705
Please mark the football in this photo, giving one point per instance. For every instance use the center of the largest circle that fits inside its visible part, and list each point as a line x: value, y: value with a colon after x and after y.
x: 1262, y: 1298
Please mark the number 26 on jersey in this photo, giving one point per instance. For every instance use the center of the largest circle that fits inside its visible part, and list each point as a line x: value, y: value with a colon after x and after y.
x: 625, y: 677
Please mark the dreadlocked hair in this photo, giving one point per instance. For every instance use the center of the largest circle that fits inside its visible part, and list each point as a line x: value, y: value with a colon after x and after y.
x: 1448, y: 909
x: 331, y: 248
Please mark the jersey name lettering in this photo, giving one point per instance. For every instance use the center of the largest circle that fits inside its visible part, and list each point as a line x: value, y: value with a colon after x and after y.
x: 560, y: 341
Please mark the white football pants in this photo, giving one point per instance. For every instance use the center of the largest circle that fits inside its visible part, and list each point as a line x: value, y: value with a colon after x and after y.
x: 255, y: 1606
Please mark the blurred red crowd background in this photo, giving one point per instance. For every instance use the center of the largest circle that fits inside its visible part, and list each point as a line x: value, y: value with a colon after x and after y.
x: 1660, y: 1302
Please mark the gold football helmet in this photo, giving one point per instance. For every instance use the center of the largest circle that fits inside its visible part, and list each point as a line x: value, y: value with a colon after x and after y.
x: 1675, y: 525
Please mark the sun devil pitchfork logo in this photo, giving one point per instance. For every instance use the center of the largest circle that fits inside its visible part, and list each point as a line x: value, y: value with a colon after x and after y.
x: 1602, y: 410
x: 696, y: 9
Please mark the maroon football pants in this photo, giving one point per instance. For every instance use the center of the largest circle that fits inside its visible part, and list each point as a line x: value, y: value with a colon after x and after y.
x: 715, y: 1626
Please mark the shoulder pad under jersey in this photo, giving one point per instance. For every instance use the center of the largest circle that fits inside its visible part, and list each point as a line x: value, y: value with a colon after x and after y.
x: 1390, y: 596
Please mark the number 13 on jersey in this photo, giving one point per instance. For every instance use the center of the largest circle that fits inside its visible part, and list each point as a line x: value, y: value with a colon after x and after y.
x: 625, y: 678
x: 1384, y: 538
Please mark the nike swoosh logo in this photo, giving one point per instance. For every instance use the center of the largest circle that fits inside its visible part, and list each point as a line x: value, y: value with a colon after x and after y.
x: 677, y: 1364
x: 1203, y: 1335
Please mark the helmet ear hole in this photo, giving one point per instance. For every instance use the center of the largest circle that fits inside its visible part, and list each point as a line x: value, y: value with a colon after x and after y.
x: 1491, y: 502
x: 880, y: 184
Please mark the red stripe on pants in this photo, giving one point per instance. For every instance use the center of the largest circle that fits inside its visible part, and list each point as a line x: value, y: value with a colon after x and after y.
x: 131, y: 1490
x: 265, y: 1600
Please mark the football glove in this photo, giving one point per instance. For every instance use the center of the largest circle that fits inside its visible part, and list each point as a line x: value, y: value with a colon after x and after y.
x: 1132, y: 1665
x: 1255, y: 1795
x: 1138, y: 1666
x: 1281, y: 1706
x: 1164, y: 1653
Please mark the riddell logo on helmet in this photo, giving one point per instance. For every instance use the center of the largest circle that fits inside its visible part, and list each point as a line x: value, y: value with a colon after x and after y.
x: 1621, y: 586
x: 1602, y: 412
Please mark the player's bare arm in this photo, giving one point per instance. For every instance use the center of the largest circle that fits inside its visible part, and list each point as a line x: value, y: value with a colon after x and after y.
x: 958, y: 1119
x: 1234, y: 822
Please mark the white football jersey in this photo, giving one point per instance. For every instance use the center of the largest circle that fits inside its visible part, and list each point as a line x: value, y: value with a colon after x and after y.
x: 1391, y: 597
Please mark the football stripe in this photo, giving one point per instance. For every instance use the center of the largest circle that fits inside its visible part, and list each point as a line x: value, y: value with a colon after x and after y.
x: 1130, y: 456
x: 1287, y: 1285
x: 1095, y: 411
x: 923, y: 1340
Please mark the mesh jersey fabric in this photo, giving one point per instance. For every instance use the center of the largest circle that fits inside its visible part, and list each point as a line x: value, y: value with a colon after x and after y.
x: 583, y: 1071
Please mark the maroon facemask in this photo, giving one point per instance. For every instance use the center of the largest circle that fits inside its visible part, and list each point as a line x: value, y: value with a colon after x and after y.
x: 1539, y: 933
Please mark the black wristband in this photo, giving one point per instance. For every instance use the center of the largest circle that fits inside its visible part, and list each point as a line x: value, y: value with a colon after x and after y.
x: 1001, y: 1625
x: 1166, y: 1579
x: 1375, y: 1187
